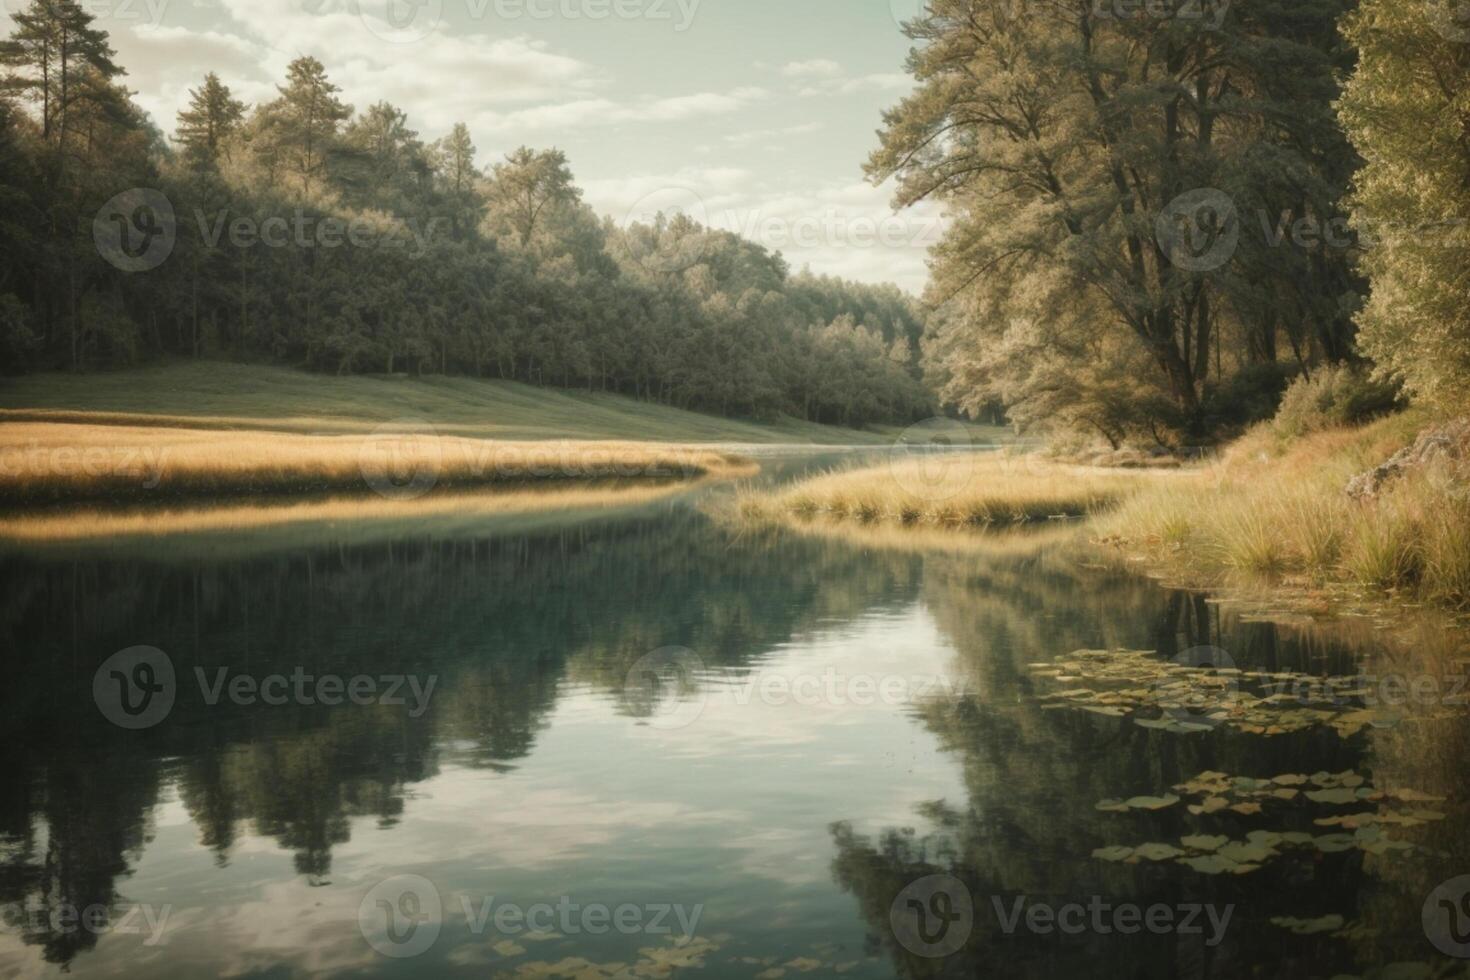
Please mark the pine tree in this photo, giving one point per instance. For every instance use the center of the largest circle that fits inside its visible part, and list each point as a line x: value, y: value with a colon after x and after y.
x: 212, y: 119
x: 303, y: 125
x: 51, y: 49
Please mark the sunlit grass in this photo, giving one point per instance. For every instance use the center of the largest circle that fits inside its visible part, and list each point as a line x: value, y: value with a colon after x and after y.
x: 77, y: 525
x: 1271, y: 506
x: 949, y: 490
x: 45, y: 462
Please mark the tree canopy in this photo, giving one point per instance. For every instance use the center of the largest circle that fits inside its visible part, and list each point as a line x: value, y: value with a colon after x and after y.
x: 307, y: 232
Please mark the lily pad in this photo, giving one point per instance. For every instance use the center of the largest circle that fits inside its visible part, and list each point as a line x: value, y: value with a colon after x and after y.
x: 1334, y: 843
x: 1308, y: 927
x: 1115, y: 853
x: 1204, y: 842
x: 1214, y: 864
x: 1246, y: 853
x: 1339, y: 795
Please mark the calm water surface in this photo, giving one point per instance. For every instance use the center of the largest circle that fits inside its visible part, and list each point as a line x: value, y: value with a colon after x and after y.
x: 680, y: 749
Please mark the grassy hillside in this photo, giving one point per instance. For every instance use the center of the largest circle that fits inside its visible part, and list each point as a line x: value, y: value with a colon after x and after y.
x: 224, y: 395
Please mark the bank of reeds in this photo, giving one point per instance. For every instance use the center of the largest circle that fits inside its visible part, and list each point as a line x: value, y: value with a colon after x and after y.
x: 1278, y: 507
x: 948, y: 490
x: 46, y: 463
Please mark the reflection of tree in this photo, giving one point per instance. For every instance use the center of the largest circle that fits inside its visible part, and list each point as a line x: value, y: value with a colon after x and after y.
x: 502, y: 622
x: 95, y: 826
x: 1028, y: 825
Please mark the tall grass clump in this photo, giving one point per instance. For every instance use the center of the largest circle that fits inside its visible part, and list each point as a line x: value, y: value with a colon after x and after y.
x: 48, y: 462
x: 1384, y: 549
x: 1274, y: 506
x: 951, y: 490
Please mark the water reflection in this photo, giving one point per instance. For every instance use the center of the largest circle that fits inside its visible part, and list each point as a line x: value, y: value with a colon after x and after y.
x: 532, y: 772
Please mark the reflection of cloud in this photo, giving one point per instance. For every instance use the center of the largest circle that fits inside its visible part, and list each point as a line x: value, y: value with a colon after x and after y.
x: 492, y: 821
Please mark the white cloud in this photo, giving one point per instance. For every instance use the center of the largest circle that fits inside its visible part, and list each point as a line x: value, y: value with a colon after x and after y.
x: 816, y: 68
x: 843, y: 229
x: 764, y: 135
x: 883, y: 82
x: 604, y: 112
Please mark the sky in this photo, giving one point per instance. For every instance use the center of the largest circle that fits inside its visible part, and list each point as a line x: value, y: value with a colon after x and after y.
x: 753, y: 116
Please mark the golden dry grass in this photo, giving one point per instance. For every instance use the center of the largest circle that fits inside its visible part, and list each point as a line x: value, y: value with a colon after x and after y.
x: 950, y: 490
x: 1270, y: 507
x: 70, y: 526
x: 47, y: 462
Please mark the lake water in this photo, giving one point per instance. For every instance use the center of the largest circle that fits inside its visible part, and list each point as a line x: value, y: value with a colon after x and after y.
x: 640, y: 742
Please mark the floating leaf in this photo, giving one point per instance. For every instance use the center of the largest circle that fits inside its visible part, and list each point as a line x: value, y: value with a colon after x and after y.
x: 1307, y: 927
x: 1332, y: 796
x: 1153, y: 802
x: 1115, y: 853
x: 1158, y: 852
x: 1243, y: 853
x: 1333, y: 843
x: 1214, y: 864
x: 1204, y: 842
x: 1112, y: 806
x: 1211, y: 805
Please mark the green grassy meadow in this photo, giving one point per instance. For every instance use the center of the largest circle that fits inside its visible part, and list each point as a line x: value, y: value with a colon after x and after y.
x: 204, y: 394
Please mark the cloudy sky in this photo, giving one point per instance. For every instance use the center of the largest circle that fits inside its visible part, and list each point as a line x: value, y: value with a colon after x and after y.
x: 752, y: 115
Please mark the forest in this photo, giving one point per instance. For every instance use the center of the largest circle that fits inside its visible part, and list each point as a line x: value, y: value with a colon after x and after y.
x: 1165, y: 213
x: 307, y: 232
x: 1161, y: 218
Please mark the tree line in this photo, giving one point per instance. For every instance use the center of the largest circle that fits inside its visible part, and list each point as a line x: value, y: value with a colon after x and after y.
x: 303, y: 231
x: 1164, y: 212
